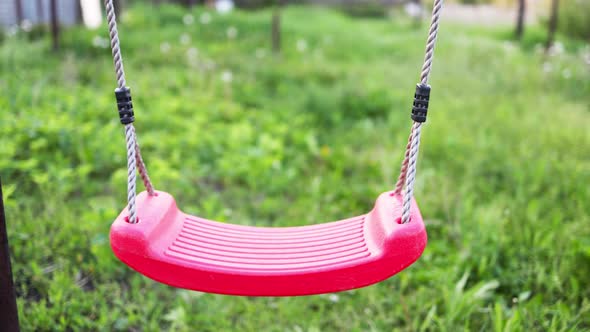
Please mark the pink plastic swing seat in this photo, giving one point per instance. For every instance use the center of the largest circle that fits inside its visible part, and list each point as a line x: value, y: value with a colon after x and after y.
x: 189, y: 252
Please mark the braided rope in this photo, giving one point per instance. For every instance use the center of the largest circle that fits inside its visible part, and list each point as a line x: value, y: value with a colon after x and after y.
x: 408, y: 169
x: 401, y: 180
x: 131, y: 177
x: 134, y: 159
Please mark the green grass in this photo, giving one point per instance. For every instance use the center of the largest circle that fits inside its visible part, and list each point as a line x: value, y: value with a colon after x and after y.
x: 301, y: 138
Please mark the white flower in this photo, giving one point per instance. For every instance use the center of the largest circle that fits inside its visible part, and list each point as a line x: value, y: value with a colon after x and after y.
x: 260, y: 53
x: 301, y: 45
x: 413, y: 9
x: 188, y: 19
x: 192, y: 53
x: 508, y: 46
x: 334, y: 298
x: 100, y: 42
x: 205, y: 18
x: 165, y: 47
x: 556, y: 49
x: 547, y: 67
x: 26, y: 25
x: 227, y: 76
x: 185, y: 39
x: 232, y: 32
x: 224, y: 6
x: 585, y: 54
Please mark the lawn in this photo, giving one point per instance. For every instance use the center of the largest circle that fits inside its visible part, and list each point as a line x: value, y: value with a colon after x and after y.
x: 240, y: 135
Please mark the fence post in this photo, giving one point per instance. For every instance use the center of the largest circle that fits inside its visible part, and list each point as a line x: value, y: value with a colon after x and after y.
x: 8, y: 308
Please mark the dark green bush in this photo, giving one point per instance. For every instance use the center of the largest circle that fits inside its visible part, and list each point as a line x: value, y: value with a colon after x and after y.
x: 475, y: 2
x: 253, y: 4
x: 574, y: 18
x: 367, y: 9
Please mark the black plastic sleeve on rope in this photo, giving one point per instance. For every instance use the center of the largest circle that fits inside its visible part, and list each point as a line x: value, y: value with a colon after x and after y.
x: 124, y: 105
x: 421, y: 98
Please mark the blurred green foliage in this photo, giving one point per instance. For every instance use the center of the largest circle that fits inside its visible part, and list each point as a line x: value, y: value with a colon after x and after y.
x: 311, y: 135
x: 366, y: 8
x: 574, y: 18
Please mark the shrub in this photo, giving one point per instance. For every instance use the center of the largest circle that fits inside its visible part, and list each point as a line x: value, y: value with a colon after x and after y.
x: 574, y: 18
x: 367, y: 9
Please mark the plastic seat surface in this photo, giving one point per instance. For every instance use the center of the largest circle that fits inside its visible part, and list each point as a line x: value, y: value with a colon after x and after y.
x: 190, y: 252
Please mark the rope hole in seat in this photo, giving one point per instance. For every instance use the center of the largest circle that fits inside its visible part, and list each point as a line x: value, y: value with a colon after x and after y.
x: 137, y: 221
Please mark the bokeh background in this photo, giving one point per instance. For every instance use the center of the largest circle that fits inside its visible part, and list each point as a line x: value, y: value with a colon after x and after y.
x: 292, y: 113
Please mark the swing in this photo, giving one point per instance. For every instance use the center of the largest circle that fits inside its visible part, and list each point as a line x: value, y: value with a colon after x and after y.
x: 155, y: 238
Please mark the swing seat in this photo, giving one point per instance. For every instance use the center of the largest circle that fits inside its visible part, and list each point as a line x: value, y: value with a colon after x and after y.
x: 190, y: 252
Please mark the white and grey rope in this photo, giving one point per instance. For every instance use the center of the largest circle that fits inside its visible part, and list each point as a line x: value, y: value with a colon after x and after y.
x: 408, y: 169
x: 134, y: 158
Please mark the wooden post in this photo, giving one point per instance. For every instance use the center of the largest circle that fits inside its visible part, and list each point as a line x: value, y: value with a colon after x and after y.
x: 520, y: 19
x: 54, y: 25
x: 8, y: 308
x: 19, y: 11
x: 552, y: 24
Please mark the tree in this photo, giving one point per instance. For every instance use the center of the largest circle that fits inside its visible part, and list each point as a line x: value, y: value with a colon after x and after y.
x: 9, y: 312
x: 19, y: 11
x: 520, y: 19
x: 419, y: 12
x: 552, y: 24
x: 54, y: 24
x: 118, y: 7
x: 276, y: 26
x: 40, y: 11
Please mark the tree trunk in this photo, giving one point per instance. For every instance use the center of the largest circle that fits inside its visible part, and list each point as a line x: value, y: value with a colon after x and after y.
x: 54, y: 25
x: 118, y: 7
x: 520, y: 19
x: 8, y: 309
x: 19, y: 11
x: 40, y: 11
x: 276, y: 27
x: 79, y: 18
x: 552, y: 24
x: 276, y: 30
x: 420, y: 16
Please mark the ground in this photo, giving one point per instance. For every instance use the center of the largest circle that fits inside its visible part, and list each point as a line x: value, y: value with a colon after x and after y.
x: 314, y: 134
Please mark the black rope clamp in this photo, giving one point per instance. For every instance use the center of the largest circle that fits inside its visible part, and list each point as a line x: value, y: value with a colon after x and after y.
x: 124, y: 105
x: 421, y: 98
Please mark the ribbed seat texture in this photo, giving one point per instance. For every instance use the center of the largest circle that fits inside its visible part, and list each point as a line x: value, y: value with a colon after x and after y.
x: 190, y: 252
